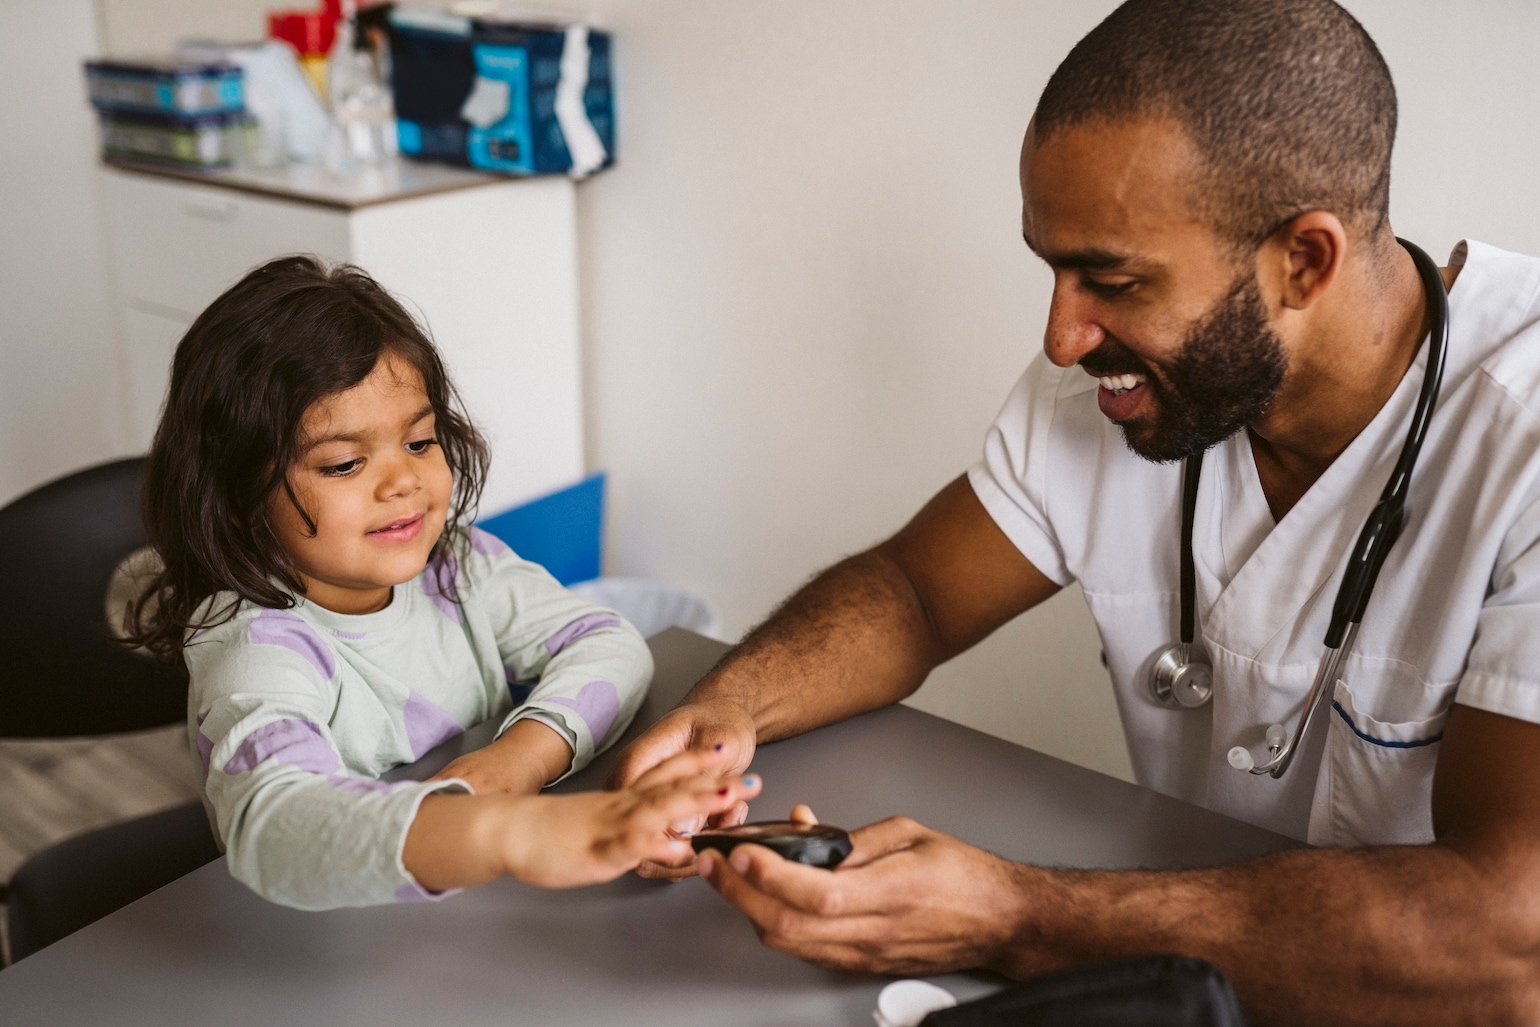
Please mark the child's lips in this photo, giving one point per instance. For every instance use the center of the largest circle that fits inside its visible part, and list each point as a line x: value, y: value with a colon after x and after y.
x: 400, y: 530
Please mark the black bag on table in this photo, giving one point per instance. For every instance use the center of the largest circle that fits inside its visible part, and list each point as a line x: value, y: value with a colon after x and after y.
x: 1150, y: 991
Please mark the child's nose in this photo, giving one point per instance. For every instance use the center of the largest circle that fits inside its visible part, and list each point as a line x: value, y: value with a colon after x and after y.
x: 400, y: 479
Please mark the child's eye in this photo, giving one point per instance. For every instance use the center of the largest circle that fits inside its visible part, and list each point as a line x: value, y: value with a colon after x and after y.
x: 421, y: 446
x: 342, y: 470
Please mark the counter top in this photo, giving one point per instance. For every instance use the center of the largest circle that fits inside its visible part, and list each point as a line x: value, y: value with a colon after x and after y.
x: 311, y: 183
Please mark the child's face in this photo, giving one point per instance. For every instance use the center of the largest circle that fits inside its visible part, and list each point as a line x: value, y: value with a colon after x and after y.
x: 372, y: 477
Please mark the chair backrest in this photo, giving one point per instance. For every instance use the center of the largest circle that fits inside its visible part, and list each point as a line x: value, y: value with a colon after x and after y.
x: 60, y: 674
x: 80, y: 880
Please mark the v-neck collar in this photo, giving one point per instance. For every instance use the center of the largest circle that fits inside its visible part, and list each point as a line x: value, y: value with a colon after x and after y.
x: 1247, y: 520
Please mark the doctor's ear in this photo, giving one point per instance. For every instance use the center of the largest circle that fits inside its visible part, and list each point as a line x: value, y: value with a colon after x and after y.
x: 1304, y: 256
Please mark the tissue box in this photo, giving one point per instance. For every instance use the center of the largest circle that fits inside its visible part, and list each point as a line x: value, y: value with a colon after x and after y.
x: 165, y: 87
x: 498, y: 96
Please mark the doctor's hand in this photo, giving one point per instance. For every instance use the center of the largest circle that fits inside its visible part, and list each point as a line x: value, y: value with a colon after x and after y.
x: 715, y: 725
x: 907, y: 900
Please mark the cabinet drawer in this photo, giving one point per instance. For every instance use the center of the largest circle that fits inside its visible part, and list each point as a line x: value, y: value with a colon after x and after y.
x: 180, y: 244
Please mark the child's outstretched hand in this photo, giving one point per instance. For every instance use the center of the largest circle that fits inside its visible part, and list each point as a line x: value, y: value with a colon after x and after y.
x: 590, y: 837
x: 562, y: 841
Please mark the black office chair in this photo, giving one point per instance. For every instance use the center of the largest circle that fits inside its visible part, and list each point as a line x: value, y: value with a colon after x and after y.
x: 61, y: 676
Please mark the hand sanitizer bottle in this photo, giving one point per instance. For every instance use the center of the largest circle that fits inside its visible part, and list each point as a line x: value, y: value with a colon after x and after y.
x: 362, y: 108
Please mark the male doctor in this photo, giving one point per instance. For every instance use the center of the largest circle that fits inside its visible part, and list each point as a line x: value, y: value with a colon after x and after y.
x: 1208, y: 181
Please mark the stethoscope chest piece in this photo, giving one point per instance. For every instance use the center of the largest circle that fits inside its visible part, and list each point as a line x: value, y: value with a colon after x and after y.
x: 1182, y: 677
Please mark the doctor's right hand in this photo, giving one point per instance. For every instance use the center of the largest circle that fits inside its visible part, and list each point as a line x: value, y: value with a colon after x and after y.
x: 718, y: 725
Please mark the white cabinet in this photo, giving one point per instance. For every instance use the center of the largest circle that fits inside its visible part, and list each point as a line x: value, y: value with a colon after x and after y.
x: 489, y: 265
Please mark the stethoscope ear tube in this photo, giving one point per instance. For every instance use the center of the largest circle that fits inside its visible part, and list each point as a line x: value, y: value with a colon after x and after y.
x: 1379, y: 534
x: 1384, y: 525
x: 1363, y: 570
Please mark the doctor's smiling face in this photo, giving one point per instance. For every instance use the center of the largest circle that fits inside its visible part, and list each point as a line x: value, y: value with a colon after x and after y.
x: 1147, y: 296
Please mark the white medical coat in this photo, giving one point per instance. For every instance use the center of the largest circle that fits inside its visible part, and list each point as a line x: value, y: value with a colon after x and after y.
x: 1455, y: 616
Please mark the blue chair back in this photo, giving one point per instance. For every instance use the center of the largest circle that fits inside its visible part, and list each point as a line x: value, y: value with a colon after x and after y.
x: 562, y: 532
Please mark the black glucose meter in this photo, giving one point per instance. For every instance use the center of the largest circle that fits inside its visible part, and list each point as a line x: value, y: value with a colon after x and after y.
x: 817, y: 845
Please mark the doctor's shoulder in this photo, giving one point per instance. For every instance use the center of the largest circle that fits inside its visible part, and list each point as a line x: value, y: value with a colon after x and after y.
x: 1495, y: 309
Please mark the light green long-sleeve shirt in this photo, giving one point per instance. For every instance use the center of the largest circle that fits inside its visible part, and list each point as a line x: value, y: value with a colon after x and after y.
x: 295, y: 713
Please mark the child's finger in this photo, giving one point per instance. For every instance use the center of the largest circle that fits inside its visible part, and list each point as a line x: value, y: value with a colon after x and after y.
x: 730, y: 818
x: 647, y: 833
x: 668, y: 851
x: 688, y: 764
x: 687, y: 827
x: 667, y: 804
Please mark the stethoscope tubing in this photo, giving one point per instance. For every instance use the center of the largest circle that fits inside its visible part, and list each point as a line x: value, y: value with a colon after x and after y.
x: 1380, y: 531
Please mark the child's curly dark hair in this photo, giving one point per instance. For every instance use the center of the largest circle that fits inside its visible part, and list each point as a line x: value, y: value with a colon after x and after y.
x: 290, y: 333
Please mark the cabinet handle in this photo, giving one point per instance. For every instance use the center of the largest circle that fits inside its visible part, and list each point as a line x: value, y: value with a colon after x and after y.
x: 224, y: 210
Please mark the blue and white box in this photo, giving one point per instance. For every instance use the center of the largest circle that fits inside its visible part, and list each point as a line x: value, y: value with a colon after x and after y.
x: 516, y: 98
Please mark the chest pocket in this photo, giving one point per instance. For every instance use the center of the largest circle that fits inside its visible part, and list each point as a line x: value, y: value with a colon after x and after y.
x: 1376, y: 784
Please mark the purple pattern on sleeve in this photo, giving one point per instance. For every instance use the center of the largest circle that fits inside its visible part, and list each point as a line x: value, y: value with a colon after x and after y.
x: 280, y: 627
x: 487, y: 544
x: 598, y: 704
x: 438, y: 579
x: 415, y: 892
x: 581, y: 628
x: 296, y: 742
x: 427, y: 725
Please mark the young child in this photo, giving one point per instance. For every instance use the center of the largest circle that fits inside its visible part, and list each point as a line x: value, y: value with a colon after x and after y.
x: 305, y: 492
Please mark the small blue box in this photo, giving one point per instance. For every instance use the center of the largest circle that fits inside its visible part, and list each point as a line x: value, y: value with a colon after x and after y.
x: 168, y: 87
x: 483, y: 93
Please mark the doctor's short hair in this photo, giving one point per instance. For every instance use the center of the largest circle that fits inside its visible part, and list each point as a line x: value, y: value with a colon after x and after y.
x: 1289, y: 103
x: 290, y: 333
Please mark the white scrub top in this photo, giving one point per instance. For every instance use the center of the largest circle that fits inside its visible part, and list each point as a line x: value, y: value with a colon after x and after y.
x: 1455, y: 616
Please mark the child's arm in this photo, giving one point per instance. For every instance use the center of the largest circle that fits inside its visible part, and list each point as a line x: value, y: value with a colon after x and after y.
x: 299, y: 827
x: 524, y: 759
x: 561, y: 841
x: 590, y: 670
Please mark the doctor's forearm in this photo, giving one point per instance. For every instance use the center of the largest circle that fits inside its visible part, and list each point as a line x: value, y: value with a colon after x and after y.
x: 1403, y: 935
x: 853, y: 639
x: 865, y: 632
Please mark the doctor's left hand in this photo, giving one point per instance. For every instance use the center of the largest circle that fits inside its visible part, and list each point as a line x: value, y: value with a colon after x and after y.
x: 907, y: 900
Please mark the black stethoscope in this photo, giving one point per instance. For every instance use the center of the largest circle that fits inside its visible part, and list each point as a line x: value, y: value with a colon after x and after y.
x: 1182, y: 677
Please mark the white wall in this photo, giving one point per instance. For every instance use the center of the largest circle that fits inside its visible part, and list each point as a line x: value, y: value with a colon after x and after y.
x: 805, y: 297
x: 1468, y: 78
x: 805, y: 293
x: 59, y: 405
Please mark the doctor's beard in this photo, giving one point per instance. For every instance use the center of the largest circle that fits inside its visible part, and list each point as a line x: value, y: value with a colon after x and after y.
x: 1224, y: 377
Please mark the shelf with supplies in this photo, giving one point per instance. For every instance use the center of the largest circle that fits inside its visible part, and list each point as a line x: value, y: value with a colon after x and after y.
x: 489, y: 263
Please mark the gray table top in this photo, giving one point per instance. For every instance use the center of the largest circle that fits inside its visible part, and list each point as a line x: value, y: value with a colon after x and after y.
x: 206, y: 950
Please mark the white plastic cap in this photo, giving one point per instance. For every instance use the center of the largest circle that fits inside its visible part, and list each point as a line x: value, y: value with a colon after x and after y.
x: 906, y: 1003
x: 1240, y: 758
x: 1276, y: 735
